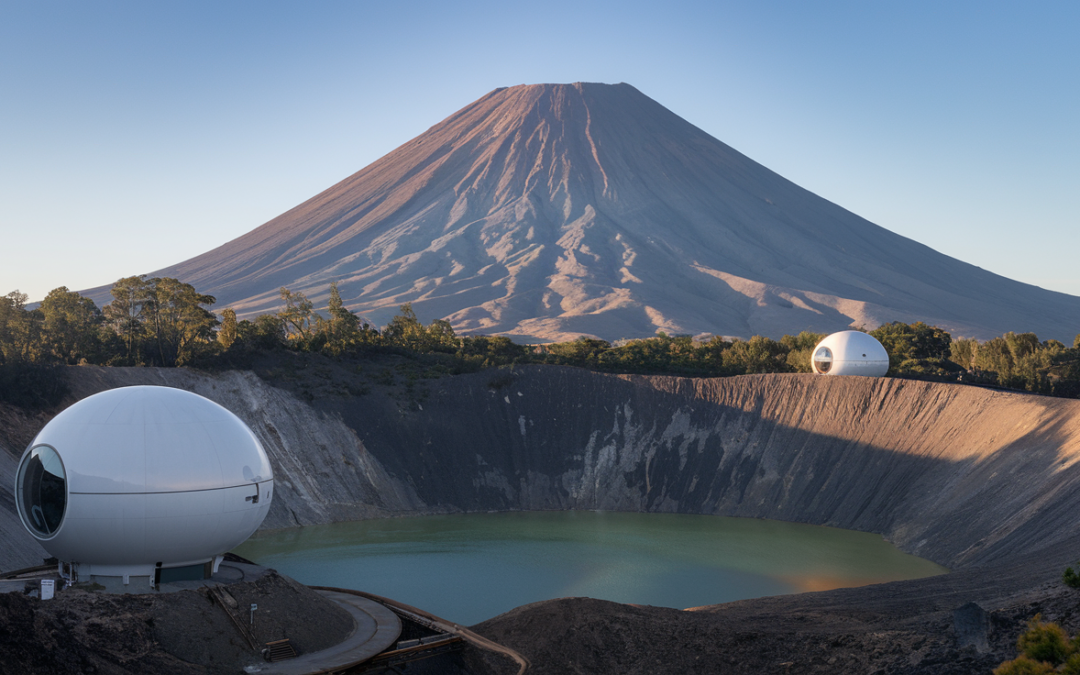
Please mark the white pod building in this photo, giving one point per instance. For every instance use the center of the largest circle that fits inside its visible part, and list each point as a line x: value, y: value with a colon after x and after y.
x: 143, y: 482
x: 850, y: 352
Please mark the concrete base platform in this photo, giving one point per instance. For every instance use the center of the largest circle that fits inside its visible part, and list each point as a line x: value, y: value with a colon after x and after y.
x: 376, y: 629
x: 228, y: 573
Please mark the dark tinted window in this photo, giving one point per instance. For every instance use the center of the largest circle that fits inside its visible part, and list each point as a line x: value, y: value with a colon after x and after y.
x: 42, y: 490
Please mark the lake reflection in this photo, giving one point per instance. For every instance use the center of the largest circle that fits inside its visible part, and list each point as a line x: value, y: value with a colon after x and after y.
x: 468, y: 568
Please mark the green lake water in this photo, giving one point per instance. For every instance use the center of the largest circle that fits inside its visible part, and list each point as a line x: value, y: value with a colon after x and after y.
x: 468, y: 568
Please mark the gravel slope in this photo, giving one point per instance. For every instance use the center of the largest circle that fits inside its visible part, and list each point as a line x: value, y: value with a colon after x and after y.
x: 553, y: 210
x: 984, y: 482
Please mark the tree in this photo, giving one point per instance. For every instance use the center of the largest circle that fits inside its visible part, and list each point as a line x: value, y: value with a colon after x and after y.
x: 639, y: 356
x: 757, y: 355
x: 19, y: 329
x: 994, y: 356
x: 584, y: 351
x: 912, y: 341
x: 711, y: 355
x: 177, y: 320
x: 227, y: 334
x: 343, y: 328
x: 339, y: 314
x: 441, y: 336
x: 125, y: 314
x: 1022, y: 345
x: 917, y: 349
x: 1043, y: 648
x: 485, y: 351
x: 962, y: 352
x: 297, y: 316
x: 405, y: 330
x: 800, y: 350
x: 70, y: 327
x: 1071, y: 577
x: 266, y: 332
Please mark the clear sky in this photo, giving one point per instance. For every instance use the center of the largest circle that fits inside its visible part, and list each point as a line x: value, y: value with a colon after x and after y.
x: 135, y: 135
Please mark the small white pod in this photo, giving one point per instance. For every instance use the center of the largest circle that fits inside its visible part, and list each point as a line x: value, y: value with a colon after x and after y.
x: 850, y: 352
x: 136, y: 480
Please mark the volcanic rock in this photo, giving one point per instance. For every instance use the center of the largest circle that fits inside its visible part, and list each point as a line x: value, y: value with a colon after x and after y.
x: 545, y: 212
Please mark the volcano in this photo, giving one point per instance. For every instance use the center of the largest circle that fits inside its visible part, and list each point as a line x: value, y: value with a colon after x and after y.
x: 547, y: 212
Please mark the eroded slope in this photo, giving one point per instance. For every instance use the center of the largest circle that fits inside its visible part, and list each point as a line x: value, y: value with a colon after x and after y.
x: 955, y: 474
x: 550, y: 211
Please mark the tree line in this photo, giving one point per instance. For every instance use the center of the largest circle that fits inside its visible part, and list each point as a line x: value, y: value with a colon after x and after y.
x: 165, y: 322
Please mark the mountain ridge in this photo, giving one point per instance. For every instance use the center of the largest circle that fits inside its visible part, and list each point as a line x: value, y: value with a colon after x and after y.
x: 545, y: 212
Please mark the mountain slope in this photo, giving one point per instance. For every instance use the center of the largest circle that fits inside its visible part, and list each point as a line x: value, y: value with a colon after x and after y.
x: 548, y: 211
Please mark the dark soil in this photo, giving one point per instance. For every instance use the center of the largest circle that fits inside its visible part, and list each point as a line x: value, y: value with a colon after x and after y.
x: 184, y: 632
x: 955, y: 624
x: 901, y: 628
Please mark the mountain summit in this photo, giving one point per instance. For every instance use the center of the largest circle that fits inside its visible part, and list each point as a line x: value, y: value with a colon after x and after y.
x: 550, y: 211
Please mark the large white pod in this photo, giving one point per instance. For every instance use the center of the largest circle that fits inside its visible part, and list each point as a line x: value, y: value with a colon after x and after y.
x: 139, y: 481
x: 850, y: 352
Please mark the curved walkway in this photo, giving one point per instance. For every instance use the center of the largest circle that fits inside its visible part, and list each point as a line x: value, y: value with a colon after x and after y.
x: 376, y: 629
x: 440, y: 624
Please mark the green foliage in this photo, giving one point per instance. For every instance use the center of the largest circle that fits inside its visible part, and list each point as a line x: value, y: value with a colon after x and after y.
x: 912, y: 341
x: 228, y: 333
x: 406, y: 331
x: 165, y: 322
x: 584, y: 352
x: 178, y: 325
x: 1022, y: 665
x: 1071, y: 578
x: 19, y: 330
x: 1020, y: 361
x: 1072, y: 664
x: 344, y: 330
x: 297, y: 316
x: 441, y: 336
x: 125, y: 315
x: 962, y: 353
x: 1043, y: 647
x: 757, y: 355
x: 660, y: 354
x: 917, y: 350
x: 265, y: 333
x: 800, y: 349
x: 486, y: 351
x: 160, y: 321
x: 70, y: 330
x: 1044, y: 642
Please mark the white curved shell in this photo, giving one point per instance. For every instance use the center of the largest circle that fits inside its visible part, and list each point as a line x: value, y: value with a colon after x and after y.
x: 153, y: 475
x: 850, y: 352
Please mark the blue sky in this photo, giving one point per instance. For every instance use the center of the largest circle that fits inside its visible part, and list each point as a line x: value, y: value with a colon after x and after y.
x: 135, y: 135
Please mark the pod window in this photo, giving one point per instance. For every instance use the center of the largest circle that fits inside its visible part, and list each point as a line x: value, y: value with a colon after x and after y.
x: 42, y: 485
x: 823, y: 359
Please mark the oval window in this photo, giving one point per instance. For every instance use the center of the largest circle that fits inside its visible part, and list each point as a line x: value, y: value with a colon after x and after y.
x: 823, y: 360
x: 42, y: 487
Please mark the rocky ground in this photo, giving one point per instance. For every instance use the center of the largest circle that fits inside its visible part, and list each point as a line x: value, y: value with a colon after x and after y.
x: 83, y: 631
x: 957, y: 624
x: 986, y: 483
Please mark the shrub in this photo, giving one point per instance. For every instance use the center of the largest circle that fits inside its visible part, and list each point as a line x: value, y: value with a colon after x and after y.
x: 1072, y: 665
x: 1022, y: 665
x: 1071, y: 578
x: 1044, y: 642
x: 1043, y: 647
